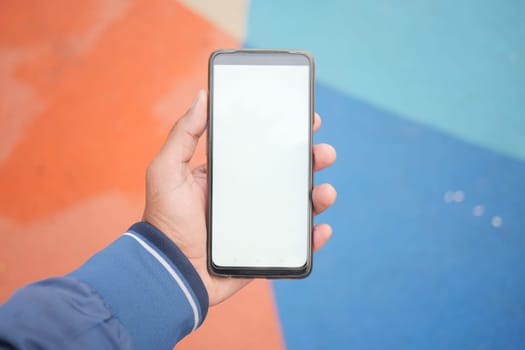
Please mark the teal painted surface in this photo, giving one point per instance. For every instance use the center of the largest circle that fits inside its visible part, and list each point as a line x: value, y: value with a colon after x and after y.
x: 458, y: 66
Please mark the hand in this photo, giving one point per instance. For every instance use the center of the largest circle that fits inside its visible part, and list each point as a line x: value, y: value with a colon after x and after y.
x: 176, y: 197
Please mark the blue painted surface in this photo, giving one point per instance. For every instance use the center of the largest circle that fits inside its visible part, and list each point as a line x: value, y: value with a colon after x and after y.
x: 405, y: 269
x: 458, y: 66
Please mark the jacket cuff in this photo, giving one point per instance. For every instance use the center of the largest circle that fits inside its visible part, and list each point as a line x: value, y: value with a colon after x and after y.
x: 150, y: 286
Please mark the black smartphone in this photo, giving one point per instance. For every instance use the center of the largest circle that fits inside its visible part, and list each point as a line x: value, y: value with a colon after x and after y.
x: 260, y: 110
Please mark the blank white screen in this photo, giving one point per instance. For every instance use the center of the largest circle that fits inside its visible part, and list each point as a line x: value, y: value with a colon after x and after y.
x: 260, y: 151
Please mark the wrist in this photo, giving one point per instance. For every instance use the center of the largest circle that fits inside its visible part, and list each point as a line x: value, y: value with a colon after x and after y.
x: 169, y: 249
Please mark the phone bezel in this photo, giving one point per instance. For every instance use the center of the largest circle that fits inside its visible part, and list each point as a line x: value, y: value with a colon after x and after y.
x: 237, y: 55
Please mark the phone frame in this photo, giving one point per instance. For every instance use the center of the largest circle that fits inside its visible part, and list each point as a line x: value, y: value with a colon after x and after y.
x: 252, y: 271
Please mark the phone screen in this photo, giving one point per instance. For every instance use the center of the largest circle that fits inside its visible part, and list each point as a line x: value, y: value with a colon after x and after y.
x: 261, y: 161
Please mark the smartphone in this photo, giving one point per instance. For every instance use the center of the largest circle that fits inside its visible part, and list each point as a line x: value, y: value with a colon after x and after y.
x: 260, y: 110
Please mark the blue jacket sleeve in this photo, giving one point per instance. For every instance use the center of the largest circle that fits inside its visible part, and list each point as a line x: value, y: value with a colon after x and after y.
x: 140, y: 292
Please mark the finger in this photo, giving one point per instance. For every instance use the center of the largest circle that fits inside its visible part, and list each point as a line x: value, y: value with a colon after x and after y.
x: 317, y: 122
x: 324, y: 156
x: 322, y: 234
x: 183, y: 137
x: 323, y: 196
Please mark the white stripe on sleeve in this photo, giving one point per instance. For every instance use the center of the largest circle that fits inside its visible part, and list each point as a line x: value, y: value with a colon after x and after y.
x: 173, y: 274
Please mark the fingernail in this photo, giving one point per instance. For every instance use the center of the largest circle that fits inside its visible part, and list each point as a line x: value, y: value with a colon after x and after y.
x: 197, y: 98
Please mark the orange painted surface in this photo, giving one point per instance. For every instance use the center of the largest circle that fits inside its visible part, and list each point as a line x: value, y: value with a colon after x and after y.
x: 246, y: 321
x: 88, y: 89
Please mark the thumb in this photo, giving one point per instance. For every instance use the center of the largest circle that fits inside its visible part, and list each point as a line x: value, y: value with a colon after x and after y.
x: 183, y: 137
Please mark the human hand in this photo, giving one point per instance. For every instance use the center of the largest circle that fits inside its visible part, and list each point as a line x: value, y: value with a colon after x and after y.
x: 176, y: 196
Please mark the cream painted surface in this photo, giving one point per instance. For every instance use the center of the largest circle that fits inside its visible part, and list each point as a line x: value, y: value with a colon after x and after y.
x: 228, y: 15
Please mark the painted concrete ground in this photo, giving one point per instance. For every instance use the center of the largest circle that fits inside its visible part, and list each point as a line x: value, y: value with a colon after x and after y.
x: 425, y: 103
